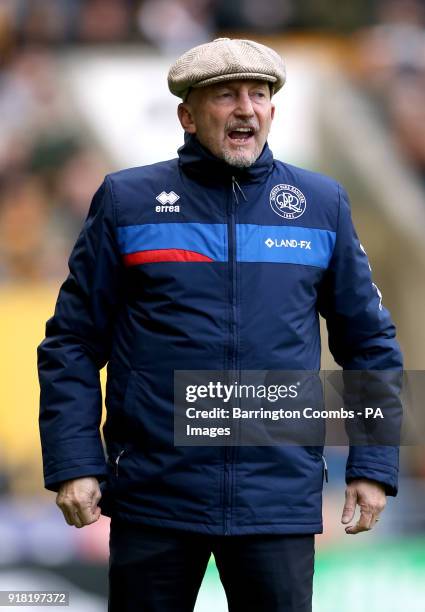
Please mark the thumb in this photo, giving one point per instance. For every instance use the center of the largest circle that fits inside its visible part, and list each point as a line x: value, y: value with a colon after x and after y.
x: 350, y: 506
x: 94, y: 507
x: 96, y: 513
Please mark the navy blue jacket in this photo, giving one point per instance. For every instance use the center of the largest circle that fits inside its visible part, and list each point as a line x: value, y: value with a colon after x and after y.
x: 192, y: 264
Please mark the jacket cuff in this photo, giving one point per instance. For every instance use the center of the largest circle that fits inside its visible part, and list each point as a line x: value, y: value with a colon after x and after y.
x: 385, y: 475
x: 53, y: 481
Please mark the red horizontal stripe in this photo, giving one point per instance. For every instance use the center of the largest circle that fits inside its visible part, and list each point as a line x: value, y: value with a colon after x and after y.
x: 140, y: 257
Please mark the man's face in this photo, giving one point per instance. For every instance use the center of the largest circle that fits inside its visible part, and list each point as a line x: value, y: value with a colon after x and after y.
x: 231, y: 119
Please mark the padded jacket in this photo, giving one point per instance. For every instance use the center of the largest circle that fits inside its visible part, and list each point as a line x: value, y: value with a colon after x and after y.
x: 190, y: 264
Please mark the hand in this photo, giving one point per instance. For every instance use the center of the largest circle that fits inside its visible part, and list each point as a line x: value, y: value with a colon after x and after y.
x: 371, y: 498
x: 78, y: 501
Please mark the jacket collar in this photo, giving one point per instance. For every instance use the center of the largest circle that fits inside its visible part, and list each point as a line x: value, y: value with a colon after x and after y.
x: 200, y: 163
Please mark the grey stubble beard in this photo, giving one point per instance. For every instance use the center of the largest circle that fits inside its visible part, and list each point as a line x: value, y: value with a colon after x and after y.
x: 241, y: 160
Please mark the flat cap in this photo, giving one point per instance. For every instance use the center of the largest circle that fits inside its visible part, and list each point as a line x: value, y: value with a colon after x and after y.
x: 225, y: 59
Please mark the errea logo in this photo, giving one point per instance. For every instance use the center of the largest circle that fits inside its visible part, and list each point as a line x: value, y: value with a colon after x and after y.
x: 286, y: 243
x: 167, y: 202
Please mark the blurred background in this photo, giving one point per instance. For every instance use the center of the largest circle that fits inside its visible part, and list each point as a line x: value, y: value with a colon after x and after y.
x: 83, y: 92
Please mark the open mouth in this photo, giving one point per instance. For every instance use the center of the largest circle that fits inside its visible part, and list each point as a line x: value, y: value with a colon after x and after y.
x: 243, y: 134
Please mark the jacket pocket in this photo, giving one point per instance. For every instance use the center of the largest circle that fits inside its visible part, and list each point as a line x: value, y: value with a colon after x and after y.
x: 118, y: 385
x: 146, y: 413
x: 317, y: 452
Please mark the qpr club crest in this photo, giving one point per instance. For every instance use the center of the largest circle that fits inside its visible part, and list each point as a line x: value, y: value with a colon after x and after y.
x: 287, y: 201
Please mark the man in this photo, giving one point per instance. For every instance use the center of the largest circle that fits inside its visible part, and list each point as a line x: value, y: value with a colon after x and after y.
x: 176, y: 269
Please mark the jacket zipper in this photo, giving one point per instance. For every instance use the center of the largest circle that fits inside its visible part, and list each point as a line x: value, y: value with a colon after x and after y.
x: 325, y: 468
x: 227, y: 502
x: 117, y: 461
x: 233, y: 271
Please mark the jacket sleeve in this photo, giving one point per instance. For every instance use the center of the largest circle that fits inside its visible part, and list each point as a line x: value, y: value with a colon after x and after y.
x: 361, y: 337
x: 76, y: 347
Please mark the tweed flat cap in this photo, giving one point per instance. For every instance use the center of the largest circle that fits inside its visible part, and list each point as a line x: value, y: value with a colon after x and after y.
x: 225, y: 59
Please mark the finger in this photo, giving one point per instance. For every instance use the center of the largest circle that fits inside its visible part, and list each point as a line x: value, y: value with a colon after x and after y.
x: 96, y: 514
x: 89, y: 511
x: 65, y: 509
x: 78, y: 522
x: 70, y: 511
x: 349, y: 506
x: 375, y: 519
x: 95, y: 502
x: 363, y: 524
x: 68, y: 517
x: 79, y: 512
x: 88, y: 515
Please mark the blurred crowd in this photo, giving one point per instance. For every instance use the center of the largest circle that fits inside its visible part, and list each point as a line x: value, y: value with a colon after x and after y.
x: 391, y: 65
x: 50, y: 167
x: 169, y: 22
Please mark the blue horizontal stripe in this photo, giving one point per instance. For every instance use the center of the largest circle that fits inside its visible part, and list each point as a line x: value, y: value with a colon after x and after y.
x: 284, y: 244
x: 207, y: 238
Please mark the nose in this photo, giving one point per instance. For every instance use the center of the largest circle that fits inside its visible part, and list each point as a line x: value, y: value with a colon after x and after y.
x: 244, y: 106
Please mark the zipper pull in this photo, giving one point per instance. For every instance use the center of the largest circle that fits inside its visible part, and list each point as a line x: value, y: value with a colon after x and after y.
x: 234, y: 190
x: 117, y: 460
x: 325, y: 465
x: 235, y: 183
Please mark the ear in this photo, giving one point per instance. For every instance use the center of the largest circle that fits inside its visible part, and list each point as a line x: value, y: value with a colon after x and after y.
x: 184, y: 113
x: 272, y: 111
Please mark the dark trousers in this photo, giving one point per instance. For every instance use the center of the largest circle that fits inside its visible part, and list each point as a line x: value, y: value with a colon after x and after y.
x: 153, y: 569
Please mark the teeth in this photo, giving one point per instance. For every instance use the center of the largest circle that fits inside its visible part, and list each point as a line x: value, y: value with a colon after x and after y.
x: 243, y: 130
